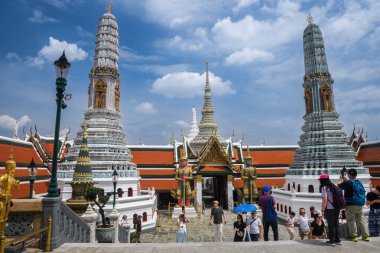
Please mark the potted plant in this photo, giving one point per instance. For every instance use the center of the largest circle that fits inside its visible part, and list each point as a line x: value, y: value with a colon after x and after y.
x: 105, y: 232
x: 120, y: 192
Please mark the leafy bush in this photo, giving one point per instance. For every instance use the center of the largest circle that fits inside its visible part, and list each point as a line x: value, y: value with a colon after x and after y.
x: 91, y: 194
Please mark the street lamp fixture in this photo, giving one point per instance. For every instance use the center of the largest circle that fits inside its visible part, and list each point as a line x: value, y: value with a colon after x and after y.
x: 32, y: 171
x: 115, y: 178
x: 62, y: 69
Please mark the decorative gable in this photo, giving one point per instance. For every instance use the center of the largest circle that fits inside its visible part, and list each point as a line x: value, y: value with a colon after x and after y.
x: 214, y: 154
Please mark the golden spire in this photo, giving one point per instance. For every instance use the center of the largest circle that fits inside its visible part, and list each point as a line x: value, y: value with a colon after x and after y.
x: 248, y: 155
x: 309, y: 19
x: 109, y: 6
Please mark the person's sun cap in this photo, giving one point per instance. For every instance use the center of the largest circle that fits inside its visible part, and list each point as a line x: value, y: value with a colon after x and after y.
x: 324, y: 176
x: 266, y: 188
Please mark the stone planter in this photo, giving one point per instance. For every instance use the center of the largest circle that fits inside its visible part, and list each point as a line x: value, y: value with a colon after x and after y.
x: 105, y: 235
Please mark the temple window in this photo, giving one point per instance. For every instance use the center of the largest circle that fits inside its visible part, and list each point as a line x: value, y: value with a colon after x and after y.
x: 145, y: 217
x: 130, y: 192
x: 299, y: 188
x: 311, y: 188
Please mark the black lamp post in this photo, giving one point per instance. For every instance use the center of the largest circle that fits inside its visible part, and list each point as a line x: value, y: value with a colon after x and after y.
x: 115, y: 177
x: 62, y: 68
x: 32, y: 171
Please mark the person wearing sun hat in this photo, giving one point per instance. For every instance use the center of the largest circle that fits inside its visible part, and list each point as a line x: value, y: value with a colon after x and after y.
x: 268, y: 207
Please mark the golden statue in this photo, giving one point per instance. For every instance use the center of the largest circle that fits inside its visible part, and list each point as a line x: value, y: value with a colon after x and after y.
x: 7, y: 182
x: 325, y: 92
x: 184, y: 174
x: 308, y: 100
x: 249, y: 176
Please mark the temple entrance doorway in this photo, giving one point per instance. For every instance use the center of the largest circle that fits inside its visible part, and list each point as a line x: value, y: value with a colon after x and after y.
x: 215, y: 188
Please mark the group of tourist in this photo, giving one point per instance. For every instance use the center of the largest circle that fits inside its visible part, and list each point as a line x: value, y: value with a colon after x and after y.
x: 349, y: 195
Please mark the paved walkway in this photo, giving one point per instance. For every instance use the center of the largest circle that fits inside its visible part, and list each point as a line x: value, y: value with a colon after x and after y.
x: 225, y: 247
x: 199, y: 230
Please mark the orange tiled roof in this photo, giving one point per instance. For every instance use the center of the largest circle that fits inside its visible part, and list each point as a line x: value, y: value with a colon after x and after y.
x: 271, y: 156
x: 153, y: 156
x: 369, y: 154
x: 23, y: 192
x: 21, y: 154
x: 24, y: 172
x: 159, y: 184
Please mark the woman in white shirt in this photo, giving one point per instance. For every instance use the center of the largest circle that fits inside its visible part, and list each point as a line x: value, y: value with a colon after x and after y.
x: 290, y: 225
x: 303, y: 222
x: 181, y: 234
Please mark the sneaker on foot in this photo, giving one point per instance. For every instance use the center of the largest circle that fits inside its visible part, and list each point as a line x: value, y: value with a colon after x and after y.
x: 338, y: 242
x: 366, y: 239
x: 331, y: 243
x: 354, y: 239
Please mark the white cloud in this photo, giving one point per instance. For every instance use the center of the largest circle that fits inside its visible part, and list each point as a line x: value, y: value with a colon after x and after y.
x: 242, y: 4
x: 248, y: 55
x: 83, y: 33
x: 177, y: 13
x: 190, y: 84
x: 129, y: 55
x: 39, y: 17
x: 59, y: 3
x: 182, y: 123
x: 362, y: 99
x: 13, y: 57
x: 54, y: 50
x: 9, y: 122
x: 146, y: 108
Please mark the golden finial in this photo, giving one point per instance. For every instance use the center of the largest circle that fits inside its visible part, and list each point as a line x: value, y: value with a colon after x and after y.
x: 109, y: 6
x: 309, y: 19
x: 248, y: 155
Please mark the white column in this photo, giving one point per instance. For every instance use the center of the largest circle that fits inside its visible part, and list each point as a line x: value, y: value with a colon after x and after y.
x: 230, y: 195
x: 90, y: 217
x: 114, y: 217
x: 199, y: 190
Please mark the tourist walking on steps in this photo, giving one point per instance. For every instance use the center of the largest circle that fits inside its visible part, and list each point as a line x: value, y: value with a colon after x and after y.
x: 303, y: 222
x: 267, y: 205
x: 217, y: 217
x: 137, y: 226
x: 373, y: 201
x: 255, y: 227
x: 181, y: 234
x: 354, y: 194
x: 329, y: 193
x: 239, y: 227
x: 290, y: 225
x: 317, y: 227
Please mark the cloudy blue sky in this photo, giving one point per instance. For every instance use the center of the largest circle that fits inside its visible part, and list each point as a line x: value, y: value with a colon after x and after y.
x: 254, y: 49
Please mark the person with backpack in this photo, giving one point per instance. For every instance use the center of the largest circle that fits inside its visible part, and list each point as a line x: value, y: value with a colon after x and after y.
x: 267, y: 205
x: 354, y: 194
x: 332, y: 202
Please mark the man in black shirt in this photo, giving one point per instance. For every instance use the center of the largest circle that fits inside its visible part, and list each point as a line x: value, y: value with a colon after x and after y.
x: 354, y: 212
x: 217, y: 216
x: 373, y: 201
